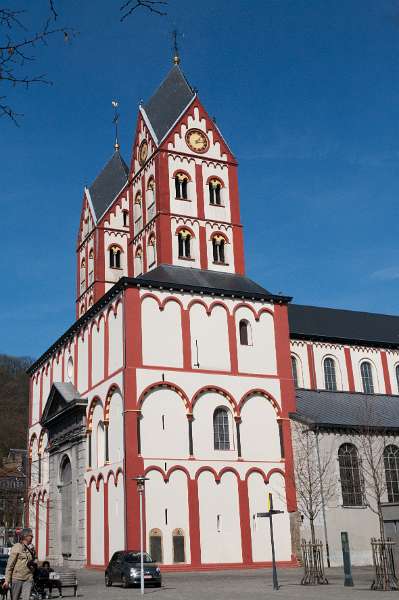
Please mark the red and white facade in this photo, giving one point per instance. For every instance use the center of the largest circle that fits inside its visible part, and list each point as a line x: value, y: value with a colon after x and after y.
x: 154, y: 363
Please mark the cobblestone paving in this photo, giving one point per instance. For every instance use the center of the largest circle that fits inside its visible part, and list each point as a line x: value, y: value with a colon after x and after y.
x: 234, y: 585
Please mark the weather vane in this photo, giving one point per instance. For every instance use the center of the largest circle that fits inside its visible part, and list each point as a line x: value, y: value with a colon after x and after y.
x: 176, y: 57
x: 115, y: 104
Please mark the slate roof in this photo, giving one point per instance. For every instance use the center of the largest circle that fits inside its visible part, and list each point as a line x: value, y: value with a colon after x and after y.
x: 171, y: 98
x: 67, y: 390
x: 345, y: 410
x: 343, y: 325
x: 108, y: 184
x: 203, y: 280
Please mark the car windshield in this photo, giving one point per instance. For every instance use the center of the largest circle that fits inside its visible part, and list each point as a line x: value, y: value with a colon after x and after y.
x: 134, y: 557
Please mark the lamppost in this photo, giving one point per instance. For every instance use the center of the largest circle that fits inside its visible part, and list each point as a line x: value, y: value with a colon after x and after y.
x: 140, y: 480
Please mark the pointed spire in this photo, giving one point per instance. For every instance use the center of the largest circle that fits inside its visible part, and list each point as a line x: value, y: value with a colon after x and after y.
x: 176, y: 57
x: 115, y: 104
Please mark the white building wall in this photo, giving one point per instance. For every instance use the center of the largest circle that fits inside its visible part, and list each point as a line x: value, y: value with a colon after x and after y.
x: 167, y: 509
x: 35, y: 399
x: 46, y: 384
x: 115, y: 336
x: 260, y: 354
x: 187, y: 207
x: 299, y: 350
x: 209, y: 333
x: 161, y: 334
x: 214, y: 212
x: 97, y: 521
x: 116, y: 514
x: 259, y: 416
x: 203, y: 428
x: 194, y: 260
x: 219, y: 519
x: 115, y: 429
x: 164, y: 426
x: 97, y: 352
x: 194, y: 121
x: 337, y: 353
x: 359, y: 355
x: 57, y: 368
x: 83, y: 361
x: 41, y: 548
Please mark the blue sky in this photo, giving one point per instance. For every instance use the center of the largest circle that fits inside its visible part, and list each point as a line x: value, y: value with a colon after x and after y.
x: 306, y: 93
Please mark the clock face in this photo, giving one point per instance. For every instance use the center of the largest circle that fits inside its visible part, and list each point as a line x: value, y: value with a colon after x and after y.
x: 197, y: 140
x: 143, y: 152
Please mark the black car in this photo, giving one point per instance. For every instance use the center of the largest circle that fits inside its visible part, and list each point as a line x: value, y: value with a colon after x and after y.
x: 3, y: 564
x: 124, y: 567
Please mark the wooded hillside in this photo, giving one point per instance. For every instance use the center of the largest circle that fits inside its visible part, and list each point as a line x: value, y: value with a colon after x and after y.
x: 14, y: 398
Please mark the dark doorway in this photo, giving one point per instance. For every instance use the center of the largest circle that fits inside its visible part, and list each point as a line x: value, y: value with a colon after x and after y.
x: 178, y: 546
x: 156, y: 545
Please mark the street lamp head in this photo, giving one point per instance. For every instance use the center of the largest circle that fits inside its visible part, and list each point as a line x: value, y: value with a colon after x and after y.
x: 140, y: 480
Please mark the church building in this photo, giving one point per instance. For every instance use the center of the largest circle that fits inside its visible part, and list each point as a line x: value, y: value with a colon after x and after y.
x: 181, y: 368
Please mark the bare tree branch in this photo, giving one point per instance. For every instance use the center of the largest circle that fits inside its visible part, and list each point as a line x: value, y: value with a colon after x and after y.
x: 17, y: 51
x: 315, y: 482
x: 151, y: 5
x: 52, y: 9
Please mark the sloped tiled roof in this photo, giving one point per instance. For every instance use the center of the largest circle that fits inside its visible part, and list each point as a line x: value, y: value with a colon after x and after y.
x: 169, y: 101
x: 340, y: 410
x: 67, y: 390
x: 343, y: 325
x: 202, y: 279
x: 108, y: 184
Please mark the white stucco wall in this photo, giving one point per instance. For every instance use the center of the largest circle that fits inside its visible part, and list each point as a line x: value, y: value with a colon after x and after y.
x: 219, y: 519
x: 161, y: 334
x: 83, y: 361
x: 260, y: 354
x: 115, y: 337
x: 337, y: 353
x: 164, y: 426
x: 203, y: 428
x: 115, y: 429
x: 167, y: 509
x: 97, y: 351
x: 116, y: 514
x: 259, y: 416
x: 97, y: 520
x: 211, y: 334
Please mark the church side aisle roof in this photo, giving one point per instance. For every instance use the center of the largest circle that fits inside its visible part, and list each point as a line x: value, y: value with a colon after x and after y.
x: 169, y: 101
x: 203, y: 280
x: 108, y: 184
x: 313, y: 322
x: 346, y: 410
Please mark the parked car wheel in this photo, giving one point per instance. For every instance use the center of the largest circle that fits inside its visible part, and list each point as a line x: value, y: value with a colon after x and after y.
x: 125, y: 582
x: 108, y: 581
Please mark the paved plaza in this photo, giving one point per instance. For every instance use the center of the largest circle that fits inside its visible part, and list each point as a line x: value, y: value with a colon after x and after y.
x: 233, y: 585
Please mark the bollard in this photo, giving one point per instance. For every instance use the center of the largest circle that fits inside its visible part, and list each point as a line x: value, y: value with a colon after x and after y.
x: 347, y: 559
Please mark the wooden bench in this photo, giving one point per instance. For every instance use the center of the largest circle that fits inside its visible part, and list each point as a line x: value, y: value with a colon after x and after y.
x: 64, y: 580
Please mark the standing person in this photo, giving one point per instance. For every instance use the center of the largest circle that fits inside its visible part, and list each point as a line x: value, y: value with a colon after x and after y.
x: 19, y: 570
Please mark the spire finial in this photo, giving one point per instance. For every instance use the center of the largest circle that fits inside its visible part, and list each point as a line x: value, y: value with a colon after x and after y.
x: 115, y: 104
x: 176, y: 57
